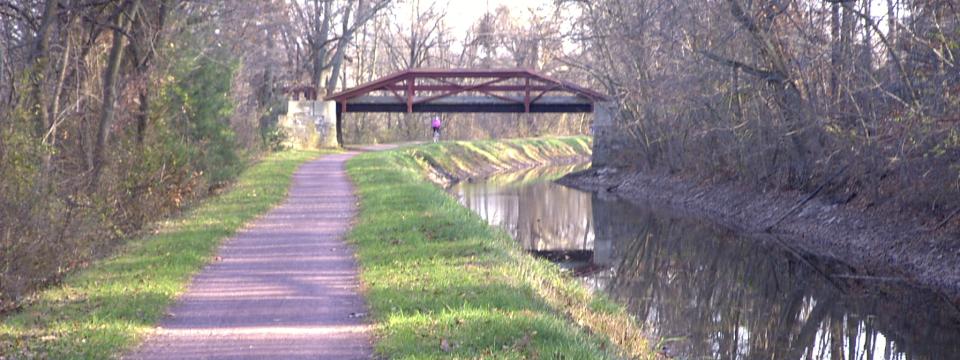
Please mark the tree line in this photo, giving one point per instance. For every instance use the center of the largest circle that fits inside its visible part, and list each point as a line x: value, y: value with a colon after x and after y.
x: 857, y: 98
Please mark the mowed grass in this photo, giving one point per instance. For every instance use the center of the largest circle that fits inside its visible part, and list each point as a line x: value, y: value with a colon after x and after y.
x: 441, y: 283
x: 101, y: 311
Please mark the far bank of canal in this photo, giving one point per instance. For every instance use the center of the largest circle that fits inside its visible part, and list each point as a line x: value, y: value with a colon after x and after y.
x: 706, y: 292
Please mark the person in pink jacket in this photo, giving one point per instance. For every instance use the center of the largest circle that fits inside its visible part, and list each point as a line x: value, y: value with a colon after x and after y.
x: 436, y: 128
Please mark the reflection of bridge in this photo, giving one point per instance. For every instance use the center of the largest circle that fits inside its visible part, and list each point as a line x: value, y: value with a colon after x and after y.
x: 464, y: 91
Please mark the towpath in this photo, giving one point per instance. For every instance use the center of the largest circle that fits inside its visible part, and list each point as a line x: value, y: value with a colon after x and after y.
x: 284, y: 287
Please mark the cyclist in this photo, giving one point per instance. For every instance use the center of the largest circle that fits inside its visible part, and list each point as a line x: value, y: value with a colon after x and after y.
x: 436, y: 128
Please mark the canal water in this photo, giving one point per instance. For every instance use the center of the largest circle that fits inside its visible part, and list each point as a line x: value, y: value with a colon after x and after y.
x: 704, y: 292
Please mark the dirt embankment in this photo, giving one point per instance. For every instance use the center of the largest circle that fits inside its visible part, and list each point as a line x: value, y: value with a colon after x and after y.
x: 881, y: 244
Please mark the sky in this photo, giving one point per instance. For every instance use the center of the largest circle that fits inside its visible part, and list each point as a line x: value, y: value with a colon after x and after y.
x: 461, y: 14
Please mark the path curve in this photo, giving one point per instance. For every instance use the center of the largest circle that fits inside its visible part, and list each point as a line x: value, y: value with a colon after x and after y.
x: 285, y: 286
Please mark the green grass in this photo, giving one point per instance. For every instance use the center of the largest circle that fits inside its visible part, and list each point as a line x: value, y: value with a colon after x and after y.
x: 472, y: 158
x: 101, y: 311
x: 441, y: 283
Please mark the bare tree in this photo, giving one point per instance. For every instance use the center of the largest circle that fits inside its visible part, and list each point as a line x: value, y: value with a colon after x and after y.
x: 110, y: 74
x: 781, y: 94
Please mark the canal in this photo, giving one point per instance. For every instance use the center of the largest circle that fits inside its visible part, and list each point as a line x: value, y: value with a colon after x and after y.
x: 705, y: 292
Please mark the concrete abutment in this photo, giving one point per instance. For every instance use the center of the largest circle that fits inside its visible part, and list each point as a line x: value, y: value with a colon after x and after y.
x: 310, y: 124
x: 605, y: 133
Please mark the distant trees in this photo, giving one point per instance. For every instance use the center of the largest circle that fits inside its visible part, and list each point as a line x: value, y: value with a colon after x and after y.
x: 501, y: 38
x: 312, y: 35
x: 313, y: 32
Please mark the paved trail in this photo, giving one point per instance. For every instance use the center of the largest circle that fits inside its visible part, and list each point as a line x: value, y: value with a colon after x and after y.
x: 284, y: 288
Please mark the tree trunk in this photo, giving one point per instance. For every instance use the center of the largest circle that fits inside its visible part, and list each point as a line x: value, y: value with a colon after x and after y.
x: 337, y: 60
x: 835, y: 52
x: 320, y: 34
x: 3, y: 58
x: 412, y: 54
x: 110, y: 75
x: 847, y: 33
x: 51, y: 134
x: 143, y: 114
x: 866, y: 58
x: 38, y: 73
x: 143, y: 68
x: 891, y: 37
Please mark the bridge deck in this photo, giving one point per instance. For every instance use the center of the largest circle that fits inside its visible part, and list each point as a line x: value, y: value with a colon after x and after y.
x: 467, y: 104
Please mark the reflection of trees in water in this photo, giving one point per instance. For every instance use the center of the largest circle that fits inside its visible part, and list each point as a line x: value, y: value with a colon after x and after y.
x: 728, y: 298
x: 543, y: 216
x: 553, y: 219
x: 537, y: 174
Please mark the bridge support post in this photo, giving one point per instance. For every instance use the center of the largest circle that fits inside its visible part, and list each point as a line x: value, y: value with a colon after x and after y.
x: 340, y: 111
x: 604, y: 133
x: 327, y: 125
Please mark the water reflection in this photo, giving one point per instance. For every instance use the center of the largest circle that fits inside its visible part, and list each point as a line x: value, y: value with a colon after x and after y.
x: 710, y: 294
x: 722, y: 297
x: 548, y: 220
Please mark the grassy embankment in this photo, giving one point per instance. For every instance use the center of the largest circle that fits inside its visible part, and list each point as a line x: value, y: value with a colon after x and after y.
x: 442, y: 283
x: 100, y: 311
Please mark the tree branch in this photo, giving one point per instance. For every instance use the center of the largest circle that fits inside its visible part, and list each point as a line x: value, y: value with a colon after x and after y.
x: 767, y: 75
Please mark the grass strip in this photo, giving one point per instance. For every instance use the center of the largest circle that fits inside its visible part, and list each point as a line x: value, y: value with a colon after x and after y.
x: 441, y: 283
x: 101, y: 311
